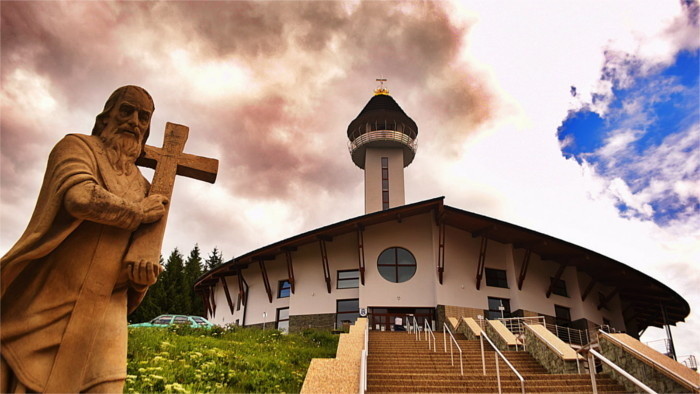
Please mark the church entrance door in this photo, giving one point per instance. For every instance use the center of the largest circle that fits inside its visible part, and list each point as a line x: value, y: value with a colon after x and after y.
x: 382, y: 318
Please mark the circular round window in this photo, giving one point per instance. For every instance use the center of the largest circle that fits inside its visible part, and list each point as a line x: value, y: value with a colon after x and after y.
x: 396, y: 265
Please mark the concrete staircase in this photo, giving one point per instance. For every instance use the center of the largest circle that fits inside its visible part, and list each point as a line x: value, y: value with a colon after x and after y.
x: 398, y: 363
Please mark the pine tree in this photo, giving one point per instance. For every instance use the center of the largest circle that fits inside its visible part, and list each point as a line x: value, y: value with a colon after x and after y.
x: 193, y: 270
x: 215, y: 259
x: 174, y: 283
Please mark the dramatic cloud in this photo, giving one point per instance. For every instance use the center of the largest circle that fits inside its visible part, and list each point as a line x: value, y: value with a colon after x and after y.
x: 269, y: 88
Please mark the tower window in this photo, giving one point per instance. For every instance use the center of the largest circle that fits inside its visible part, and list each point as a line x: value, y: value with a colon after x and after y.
x: 385, y: 183
x: 496, y: 278
x: 396, y: 265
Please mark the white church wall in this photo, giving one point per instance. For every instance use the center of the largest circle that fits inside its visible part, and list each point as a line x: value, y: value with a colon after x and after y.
x: 414, y: 234
x: 258, y: 302
x: 311, y: 296
x: 459, y: 278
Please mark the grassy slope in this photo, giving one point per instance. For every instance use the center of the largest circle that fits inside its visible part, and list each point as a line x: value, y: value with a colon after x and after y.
x: 183, y: 359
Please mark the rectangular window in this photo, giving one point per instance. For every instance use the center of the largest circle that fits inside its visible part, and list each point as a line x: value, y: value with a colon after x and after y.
x: 385, y: 183
x: 495, y: 305
x: 282, y: 320
x: 559, y: 287
x: 496, y: 278
x: 347, y: 311
x: 563, y: 315
x: 285, y: 289
x: 348, y: 279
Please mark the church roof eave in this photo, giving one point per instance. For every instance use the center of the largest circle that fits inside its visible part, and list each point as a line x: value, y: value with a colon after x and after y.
x: 638, y: 290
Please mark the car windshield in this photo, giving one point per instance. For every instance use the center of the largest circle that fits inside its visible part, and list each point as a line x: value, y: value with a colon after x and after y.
x: 162, y: 320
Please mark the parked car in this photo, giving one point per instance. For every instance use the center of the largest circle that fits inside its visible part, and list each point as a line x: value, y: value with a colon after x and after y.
x: 167, y: 320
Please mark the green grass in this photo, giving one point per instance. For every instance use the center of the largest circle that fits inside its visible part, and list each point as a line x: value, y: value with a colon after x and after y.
x: 232, y: 359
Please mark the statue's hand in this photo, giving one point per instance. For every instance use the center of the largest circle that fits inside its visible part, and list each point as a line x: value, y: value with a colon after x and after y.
x: 153, y: 207
x: 144, y: 273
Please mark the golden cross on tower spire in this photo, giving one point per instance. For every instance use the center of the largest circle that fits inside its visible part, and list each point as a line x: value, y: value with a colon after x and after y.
x: 381, y: 89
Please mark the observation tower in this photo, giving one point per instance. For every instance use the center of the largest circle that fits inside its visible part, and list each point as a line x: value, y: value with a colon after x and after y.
x: 382, y: 142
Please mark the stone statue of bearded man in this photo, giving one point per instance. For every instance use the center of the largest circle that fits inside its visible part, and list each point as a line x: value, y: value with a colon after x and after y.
x: 54, y: 335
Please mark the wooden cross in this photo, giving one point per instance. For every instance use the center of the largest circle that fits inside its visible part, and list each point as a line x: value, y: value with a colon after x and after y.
x: 168, y: 162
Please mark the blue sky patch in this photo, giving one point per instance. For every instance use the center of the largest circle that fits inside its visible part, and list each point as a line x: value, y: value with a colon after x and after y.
x: 648, y: 136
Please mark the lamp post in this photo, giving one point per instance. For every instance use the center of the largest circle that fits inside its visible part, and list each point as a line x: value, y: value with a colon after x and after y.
x: 264, y: 319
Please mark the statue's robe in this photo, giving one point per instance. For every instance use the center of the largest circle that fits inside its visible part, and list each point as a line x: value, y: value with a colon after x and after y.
x: 44, y: 274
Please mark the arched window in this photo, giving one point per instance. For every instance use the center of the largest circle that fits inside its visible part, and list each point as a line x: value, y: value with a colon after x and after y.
x: 396, y: 265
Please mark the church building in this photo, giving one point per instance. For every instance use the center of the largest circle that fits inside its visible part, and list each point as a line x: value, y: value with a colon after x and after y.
x: 426, y: 260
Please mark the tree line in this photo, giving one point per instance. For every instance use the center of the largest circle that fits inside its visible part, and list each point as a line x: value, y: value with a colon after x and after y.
x: 174, y: 291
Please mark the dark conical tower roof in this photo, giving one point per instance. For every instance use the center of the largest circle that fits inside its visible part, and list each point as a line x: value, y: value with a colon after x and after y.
x: 382, y: 109
x: 382, y: 124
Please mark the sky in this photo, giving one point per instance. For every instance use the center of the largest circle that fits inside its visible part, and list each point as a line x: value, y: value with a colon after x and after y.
x: 579, y: 119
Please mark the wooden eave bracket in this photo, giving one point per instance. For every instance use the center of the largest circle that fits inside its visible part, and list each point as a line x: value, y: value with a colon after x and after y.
x: 555, y: 278
x: 228, y: 294
x: 606, y: 299
x: 523, y: 268
x: 242, y: 289
x: 361, y: 252
x: 482, y: 261
x: 441, y: 252
x: 212, y: 300
x: 324, y: 263
x: 290, y: 268
x: 266, y: 280
x: 587, y: 290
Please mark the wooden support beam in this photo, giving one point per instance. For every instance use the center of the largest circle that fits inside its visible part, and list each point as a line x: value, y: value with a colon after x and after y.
x: 361, y: 252
x: 242, y: 291
x: 324, y: 263
x: 266, y: 280
x: 482, y: 262
x: 523, y: 268
x: 228, y: 295
x: 290, y: 269
x: 207, y: 305
x: 555, y: 278
x: 606, y: 299
x: 212, y: 300
x: 587, y: 290
x: 441, y: 252
x: 439, y: 214
x: 484, y: 231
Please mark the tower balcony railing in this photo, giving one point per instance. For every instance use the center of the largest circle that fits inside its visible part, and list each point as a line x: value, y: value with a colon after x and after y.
x: 382, y: 135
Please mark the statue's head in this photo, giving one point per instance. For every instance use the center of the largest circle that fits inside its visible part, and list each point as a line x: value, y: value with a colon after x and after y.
x: 127, y: 113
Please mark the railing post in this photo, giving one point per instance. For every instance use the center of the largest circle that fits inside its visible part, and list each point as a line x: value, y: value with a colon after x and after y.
x: 498, y: 374
x: 444, y: 337
x: 591, y: 370
x: 483, y: 360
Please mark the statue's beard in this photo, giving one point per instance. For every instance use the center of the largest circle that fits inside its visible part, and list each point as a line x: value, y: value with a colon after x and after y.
x: 122, y: 151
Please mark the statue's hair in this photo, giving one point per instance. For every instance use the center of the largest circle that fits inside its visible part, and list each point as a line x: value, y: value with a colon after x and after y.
x: 100, y: 120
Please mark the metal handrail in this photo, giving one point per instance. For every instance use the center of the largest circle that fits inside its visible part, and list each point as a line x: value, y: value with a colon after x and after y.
x: 363, y: 363
x: 415, y: 328
x: 452, y: 338
x: 591, y: 370
x: 382, y: 135
x: 498, y: 353
x: 429, y: 330
x: 653, y: 363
